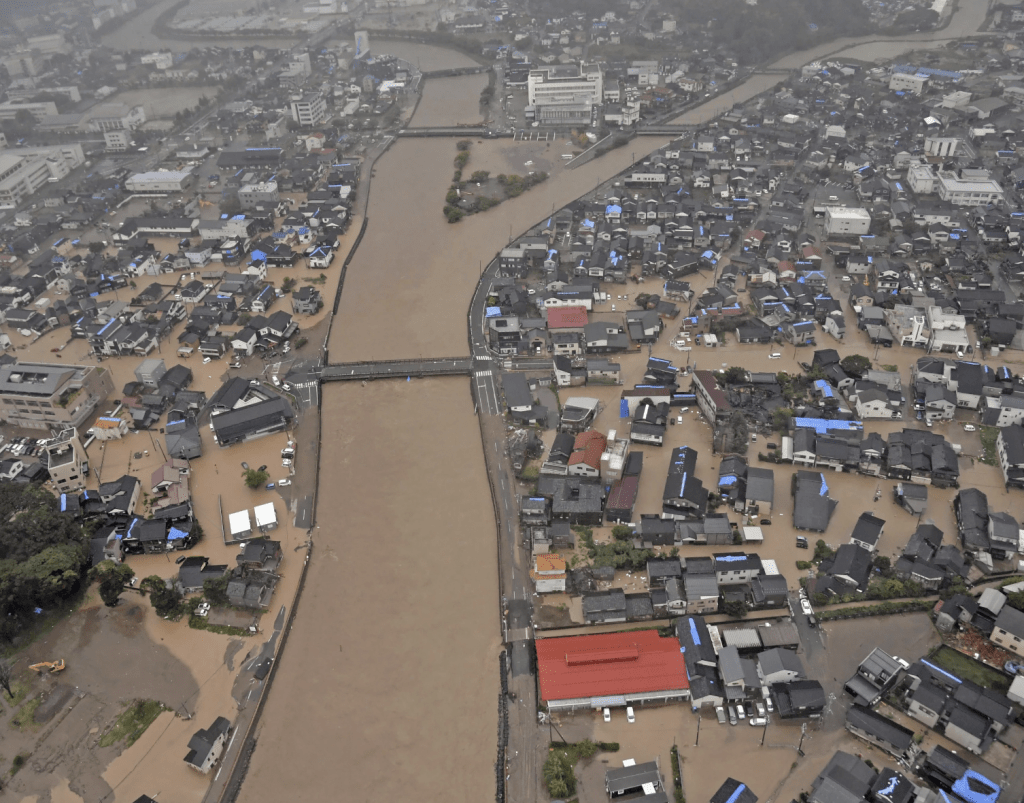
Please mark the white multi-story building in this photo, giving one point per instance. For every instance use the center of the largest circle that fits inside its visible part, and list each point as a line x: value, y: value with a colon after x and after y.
x: 941, y: 146
x: 844, y: 220
x: 921, y: 179
x: 116, y: 141
x: 907, y: 82
x: 115, y: 117
x: 25, y: 170
x: 310, y: 110
x: 970, y: 188
x: 10, y: 109
x: 565, y: 93
x: 264, y: 194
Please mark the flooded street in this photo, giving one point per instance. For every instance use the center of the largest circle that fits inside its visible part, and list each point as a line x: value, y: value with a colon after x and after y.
x: 388, y: 686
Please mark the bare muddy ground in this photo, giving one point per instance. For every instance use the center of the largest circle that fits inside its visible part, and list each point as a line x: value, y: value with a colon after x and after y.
x: 110, y: 661
x: 388, y: 687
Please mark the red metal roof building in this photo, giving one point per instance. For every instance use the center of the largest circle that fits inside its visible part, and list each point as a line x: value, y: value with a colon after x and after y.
x: 567, y: 318
x: 610, y: 669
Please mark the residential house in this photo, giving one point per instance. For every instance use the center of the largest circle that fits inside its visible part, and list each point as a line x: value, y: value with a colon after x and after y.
x: 207, y: 745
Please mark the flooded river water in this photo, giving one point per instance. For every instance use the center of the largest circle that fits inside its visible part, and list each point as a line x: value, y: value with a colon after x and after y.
x: 388, y: 686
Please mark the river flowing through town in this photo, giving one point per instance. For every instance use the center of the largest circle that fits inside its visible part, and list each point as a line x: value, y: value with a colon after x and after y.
x: 389, y: 686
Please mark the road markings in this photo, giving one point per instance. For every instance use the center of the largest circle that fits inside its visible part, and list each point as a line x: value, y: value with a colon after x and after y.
x: 483, y: 373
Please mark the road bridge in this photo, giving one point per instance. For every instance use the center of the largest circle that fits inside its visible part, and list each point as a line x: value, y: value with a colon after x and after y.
x: 397, y: 369
x: 453, y: 131
x: 454, y: 72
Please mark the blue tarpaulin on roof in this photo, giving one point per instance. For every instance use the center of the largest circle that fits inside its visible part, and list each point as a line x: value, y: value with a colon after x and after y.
x: 824, y: 486
x: 976, y: 788
x: 742, y: 787
x: 693, y: 632
x: 176, y: 535
x: 492, y: 312
x: 623, y: 408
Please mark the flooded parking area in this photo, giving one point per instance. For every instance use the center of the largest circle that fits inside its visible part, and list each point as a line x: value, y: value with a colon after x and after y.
x: 388, y: 687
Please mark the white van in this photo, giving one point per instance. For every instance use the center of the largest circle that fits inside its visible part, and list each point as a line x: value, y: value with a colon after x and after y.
x: 774, y: 356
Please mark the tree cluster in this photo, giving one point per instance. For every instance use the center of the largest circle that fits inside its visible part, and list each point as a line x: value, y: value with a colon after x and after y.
x: 43, y: 555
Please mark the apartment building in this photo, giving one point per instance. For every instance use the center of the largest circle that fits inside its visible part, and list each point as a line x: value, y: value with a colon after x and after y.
x: 24, y: 170
x: 67, y: 461
x: 53, y: 397
x: 969, y: 188
x: 310, y: 110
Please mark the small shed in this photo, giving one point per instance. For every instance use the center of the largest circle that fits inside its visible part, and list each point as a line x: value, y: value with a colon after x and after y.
x: 266, y: 516
x: 753, y: 535
x: 239, y: 526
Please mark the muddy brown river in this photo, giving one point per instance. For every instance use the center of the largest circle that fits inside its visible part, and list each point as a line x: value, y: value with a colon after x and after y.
x: 388, y: 686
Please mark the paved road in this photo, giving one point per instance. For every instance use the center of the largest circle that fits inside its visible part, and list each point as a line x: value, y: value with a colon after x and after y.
x: 231, y: 769
x: 525, y: 738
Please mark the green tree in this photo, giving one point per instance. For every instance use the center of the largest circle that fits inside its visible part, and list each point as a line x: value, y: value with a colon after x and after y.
x: 882, y: 563
x: 113, y: 583
x: 736, y: 608
x: 821, y: 550
x: 254, y: 478
x: 855, y: 365
x: 781, y: 418
x: 559, y: 774
x: 621, y: 532
x: 480, y: 176
x: 215, y: 590
x: 1015, y: 599
x: 165, y: 600
x: 734, y: 375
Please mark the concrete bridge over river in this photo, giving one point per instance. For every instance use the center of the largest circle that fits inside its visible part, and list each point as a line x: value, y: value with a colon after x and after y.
x: 397, y: 369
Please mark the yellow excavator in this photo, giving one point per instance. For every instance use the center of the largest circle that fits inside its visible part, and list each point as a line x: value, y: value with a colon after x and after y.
x: 204, y: 203
x: 49, y: 666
